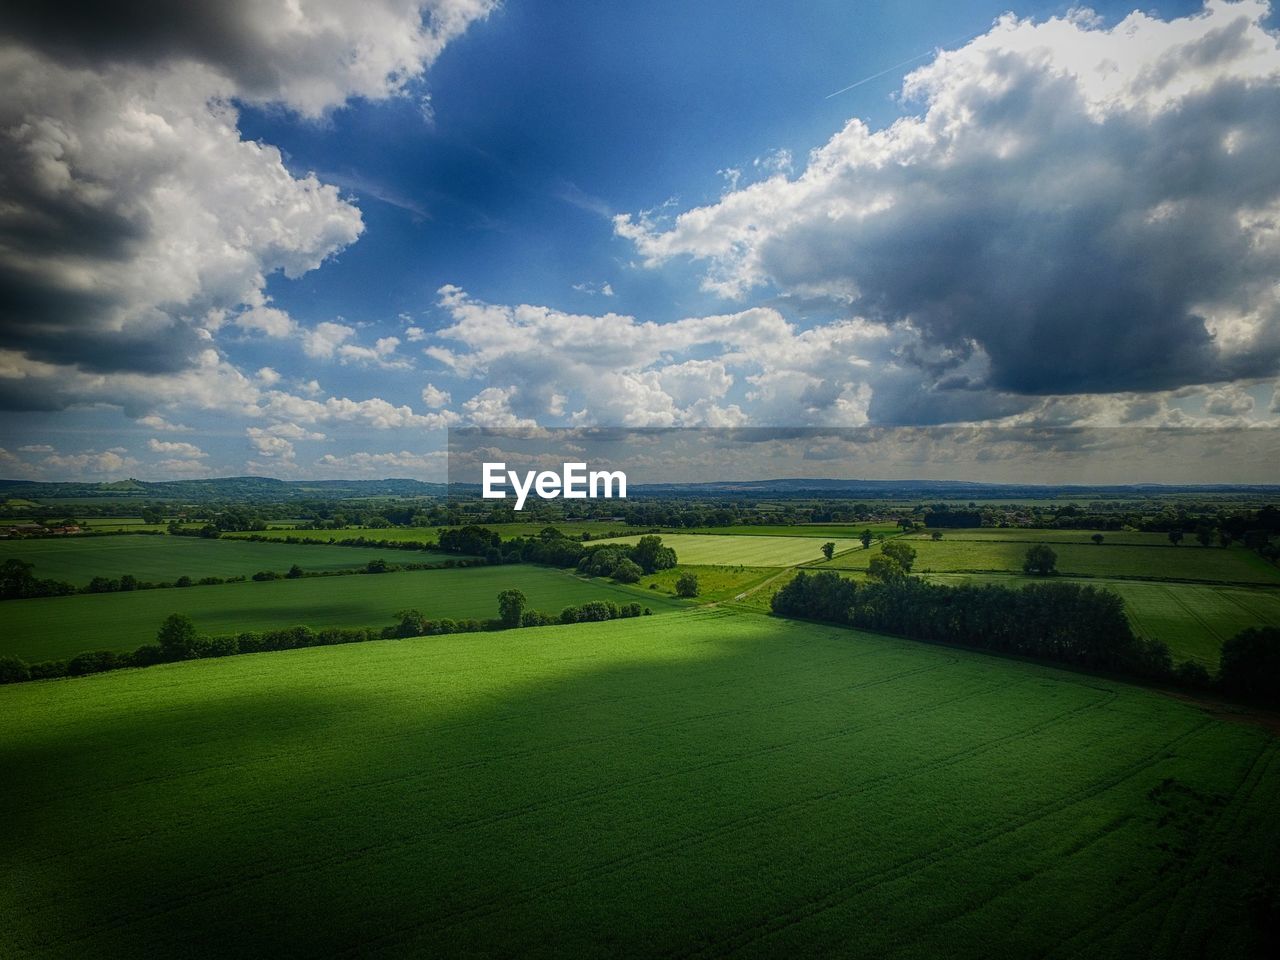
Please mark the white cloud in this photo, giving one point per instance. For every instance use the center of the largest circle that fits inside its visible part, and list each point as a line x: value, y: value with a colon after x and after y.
x: 159, y: 423
x: 421, y: 466
x: 1074, y: 209
x: 434, y: 397
x: 175, y: 449
x: 36, y: 448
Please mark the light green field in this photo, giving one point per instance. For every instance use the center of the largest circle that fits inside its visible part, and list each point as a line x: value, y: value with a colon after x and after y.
x: 1194, y: 619
x: 51, y: 628
x: 828, y: 531
x: 574, y: 530
x: 714, y: 583
x: 1038, y: 535
x: 163, y: 558
x: 739, y: 786
x: 699, y: 550
x: 1174, y: 563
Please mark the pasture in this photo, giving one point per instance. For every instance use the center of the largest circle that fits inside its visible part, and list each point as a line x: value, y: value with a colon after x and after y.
x: 1194, y: 619
x: 828, y: 531
x: 159, y: 558
x: 699, y: 550
x: 55, y: 627
x: 1134, y: 538
x: 1235, y: 564
x: 714, y: 583
x: 729, y: 784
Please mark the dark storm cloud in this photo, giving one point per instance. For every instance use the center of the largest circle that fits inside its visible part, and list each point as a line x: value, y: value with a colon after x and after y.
x: 143, y: 32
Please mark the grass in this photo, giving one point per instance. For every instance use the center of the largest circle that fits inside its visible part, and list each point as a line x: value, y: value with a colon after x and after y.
x: 1149, y: 562
x: 1039, y: 535
x: 702, y: 550
x: 50, y: 628
x: 714, y: 582
x: 1194, y: 619
x: 164, y: 558
x: 738, y: 785
x: 573, y: 529
x: 828, y: 531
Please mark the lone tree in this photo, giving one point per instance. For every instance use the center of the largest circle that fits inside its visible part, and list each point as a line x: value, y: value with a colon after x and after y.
x: 866, y: 539
x: 1040, y: 560
x: 652, y: 556
x: 1175, y: 537
x: 886, y: 568
x: 1204, y: 535
x: 687, y: 585
x: 902, y: 553
x: 177, y: 637
x: 511, y: 604
x: 828, y: 550
x: 937, y: 535
x: 1097, y: 538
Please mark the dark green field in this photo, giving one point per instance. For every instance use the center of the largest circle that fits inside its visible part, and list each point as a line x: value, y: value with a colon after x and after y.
x: 728, y: 785
x: 50, y: 628
x: 164, y: 558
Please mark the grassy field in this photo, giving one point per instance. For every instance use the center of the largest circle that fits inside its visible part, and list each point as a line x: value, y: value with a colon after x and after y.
x: 1039, y: 535
x: 739, y: 785
x: 701, y: 550
x: 714, y: 583
x: 1177, y: 563
x: 401, y: 534
x: 63, y: 626
x: 828, y: 531
x: 1194, y: 619
x: 164, y: 558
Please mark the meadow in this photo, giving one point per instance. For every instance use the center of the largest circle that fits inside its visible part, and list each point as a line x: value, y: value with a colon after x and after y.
x: 714, y: 582
x: 55, y: 627
x: 737, y: 785
x: 1135, y: 538
x: 1194, y: 619
x: 697, y: 549
x: 1192, y: 563
x: 159, y: 558
x: 828, y: 531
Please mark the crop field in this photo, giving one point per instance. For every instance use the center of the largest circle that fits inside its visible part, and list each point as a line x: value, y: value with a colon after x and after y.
x: 828, y: 531
x: 699, y: 550
x: 1235, y: 564
x: 740, y: 786
x: 49, y: 628
x: 425, y: 534
x: 164, y: 558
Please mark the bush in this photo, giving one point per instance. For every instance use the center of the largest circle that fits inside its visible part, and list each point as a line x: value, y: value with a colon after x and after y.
x: 627, y: 571
x: 146, y: 656
x: 687, y: 585
x: 535, y: 618
x: 13, y: 670
x: 96, y: 662
x: 1250, y: 665
x: 511, y: 604
x: 216, y: 647
x: 1191, y: 673
x: 263, y: 575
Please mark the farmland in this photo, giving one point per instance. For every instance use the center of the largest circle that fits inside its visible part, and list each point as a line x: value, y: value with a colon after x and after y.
x: 55, y: 627
x: 748, y: 551
x: 586, y: 790
x: 164, y: 558
x: 1164, y: 562
x: 1194, y: 619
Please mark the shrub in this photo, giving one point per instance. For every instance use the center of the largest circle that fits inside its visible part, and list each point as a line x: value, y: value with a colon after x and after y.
x: 511, y: 604
x: 13, y: 670
x: 535, y: 618
x: 1250, y: 665
x: 48, y: 669
x: 146, y: 655
x: 96, y: 662
x: 1191, y: 673
x: 1041, y: 560
x: 627, y: 571
x: 687, y: 585
x: 263, y: 575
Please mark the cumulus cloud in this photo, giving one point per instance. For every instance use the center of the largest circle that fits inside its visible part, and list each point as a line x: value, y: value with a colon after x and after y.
x: 175, y: 449
x: 134, y: 219
x: 1073, y: 209
x: 434, y: 397
x: 422, y: 466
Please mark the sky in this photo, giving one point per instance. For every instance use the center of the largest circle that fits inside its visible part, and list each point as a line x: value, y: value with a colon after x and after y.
x: 303, y: 239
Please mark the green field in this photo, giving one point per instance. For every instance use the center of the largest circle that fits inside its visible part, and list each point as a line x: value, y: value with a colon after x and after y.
x: 714, y: 583
x: 573, y: 529
x: 692, y: 548
x: 1194, y: 619
x: 164, y: 558
x: 1149, y: 562
x: 50, y: 628
x: 738, y: 785
x: 828, y: 531
x: 1041, y: 535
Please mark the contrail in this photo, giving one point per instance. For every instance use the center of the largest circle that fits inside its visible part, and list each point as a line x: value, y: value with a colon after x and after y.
x: 897, y: 66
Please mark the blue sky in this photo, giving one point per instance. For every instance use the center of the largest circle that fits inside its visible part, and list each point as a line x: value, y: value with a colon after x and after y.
x: 493, y: 160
